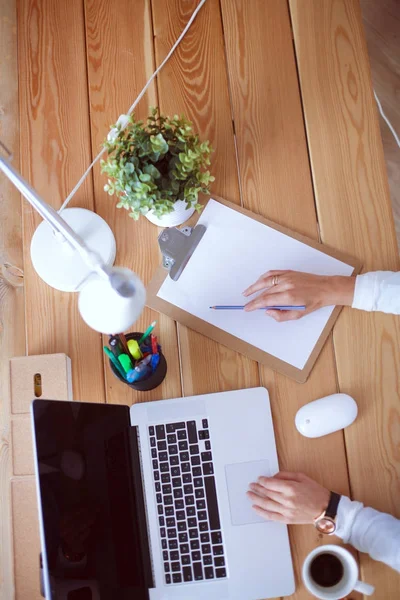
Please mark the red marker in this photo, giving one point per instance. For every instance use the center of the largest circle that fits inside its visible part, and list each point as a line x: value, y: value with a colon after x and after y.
x: 154, y: 347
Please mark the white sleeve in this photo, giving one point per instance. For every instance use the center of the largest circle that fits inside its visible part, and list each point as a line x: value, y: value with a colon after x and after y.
x: 379, y: 290
x: 369, y: 531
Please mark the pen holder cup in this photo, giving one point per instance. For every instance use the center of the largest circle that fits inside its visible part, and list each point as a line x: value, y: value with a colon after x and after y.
x: 151, y: 382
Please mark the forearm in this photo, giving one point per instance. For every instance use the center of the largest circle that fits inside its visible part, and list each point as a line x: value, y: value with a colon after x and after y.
x: 377, y: 534
x: 376, y: 291
x: 338, y: 291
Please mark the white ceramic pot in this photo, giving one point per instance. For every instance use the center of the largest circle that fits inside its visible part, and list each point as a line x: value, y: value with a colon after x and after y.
x: 179, y: 215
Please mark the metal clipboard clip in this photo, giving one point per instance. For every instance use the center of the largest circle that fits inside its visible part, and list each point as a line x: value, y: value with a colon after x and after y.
x: 177, y: 246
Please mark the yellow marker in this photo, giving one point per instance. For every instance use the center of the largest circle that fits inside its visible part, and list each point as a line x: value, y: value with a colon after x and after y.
x: 134, y: 349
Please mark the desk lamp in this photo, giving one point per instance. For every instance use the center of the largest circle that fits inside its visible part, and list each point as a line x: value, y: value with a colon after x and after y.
x: 76, y: 253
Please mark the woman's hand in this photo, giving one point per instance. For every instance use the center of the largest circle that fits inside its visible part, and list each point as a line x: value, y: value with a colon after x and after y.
x: 288, y: 498
x: 293, y: 288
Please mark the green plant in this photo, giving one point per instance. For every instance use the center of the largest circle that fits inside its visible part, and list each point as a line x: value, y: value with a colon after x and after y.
x: 151, y: 166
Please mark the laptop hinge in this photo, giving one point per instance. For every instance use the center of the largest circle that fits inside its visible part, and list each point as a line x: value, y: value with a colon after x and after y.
x: 141, y: 506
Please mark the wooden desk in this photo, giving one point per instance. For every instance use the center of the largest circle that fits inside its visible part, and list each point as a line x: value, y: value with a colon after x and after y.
x: 291, y: 116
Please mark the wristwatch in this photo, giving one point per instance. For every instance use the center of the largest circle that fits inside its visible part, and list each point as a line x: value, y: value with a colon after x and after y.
x: 326, y: 522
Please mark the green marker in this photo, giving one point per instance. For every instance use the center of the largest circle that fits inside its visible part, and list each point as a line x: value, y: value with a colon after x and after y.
x: 114, y: 361
x: 125, y: 362
x: 147, y: 332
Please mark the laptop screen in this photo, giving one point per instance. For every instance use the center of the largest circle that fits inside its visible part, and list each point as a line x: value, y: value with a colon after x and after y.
x: 91, y: 502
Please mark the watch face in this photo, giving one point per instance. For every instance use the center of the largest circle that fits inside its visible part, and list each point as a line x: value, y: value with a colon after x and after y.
x: 326, y: 525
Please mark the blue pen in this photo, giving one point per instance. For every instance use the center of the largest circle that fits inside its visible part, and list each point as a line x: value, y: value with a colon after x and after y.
x: 222, y: 307
x: 141, y: 370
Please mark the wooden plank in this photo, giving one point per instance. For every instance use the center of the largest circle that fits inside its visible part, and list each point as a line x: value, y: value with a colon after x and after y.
x: 194, y: 83
x: 120, y: 61
x: 354, y: 212
x: 12, y: 315
x: 276, y: 182
x: 381, y: 23
x: 55, y: 150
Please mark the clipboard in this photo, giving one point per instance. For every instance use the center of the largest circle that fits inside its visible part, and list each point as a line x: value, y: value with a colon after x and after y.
x: 177, y: 248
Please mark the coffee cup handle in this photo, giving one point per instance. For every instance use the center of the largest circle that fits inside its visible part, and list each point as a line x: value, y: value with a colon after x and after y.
x: 364, y: 588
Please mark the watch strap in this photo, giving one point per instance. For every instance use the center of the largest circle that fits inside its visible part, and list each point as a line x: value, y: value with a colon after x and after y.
x: 331, y: 510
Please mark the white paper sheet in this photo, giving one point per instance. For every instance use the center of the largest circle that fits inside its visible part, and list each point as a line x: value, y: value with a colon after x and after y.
x: 233, y: 253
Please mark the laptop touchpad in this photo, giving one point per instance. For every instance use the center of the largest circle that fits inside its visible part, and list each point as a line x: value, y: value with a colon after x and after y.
x: 238, y: 477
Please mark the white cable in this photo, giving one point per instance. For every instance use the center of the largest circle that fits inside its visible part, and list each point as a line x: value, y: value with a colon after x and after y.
x: 388, y: 123
x: 122, y: 120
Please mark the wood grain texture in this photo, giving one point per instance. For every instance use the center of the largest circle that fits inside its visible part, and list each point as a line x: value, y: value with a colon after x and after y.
x: 271, y: 146
x: 12, y: 318
x: 354, y: 212
x: 120, y: 61
x: 194, y: 82
x: 382, y: 24
x: 276, y: 182
x: 275, y: 178
x: 55, y: 149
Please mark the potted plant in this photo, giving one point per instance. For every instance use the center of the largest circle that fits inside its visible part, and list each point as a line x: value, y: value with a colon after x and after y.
x: 157, y: 169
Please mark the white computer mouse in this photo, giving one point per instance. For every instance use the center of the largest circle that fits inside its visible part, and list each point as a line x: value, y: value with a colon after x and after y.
x: 326, y: 415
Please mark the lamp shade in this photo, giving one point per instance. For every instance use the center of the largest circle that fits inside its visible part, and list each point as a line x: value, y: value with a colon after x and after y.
x: 109, y: 306
x: 59, y: 264
x: 111, y: 299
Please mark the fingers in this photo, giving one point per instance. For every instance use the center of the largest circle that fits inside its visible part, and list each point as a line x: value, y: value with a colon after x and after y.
x: 284, y: 315
x: 270, y: 516
x: 265, y: 281
x: 276, y: 496
x: 267, y: 299
x: 265, y: 503
x: 259, y: 285
x: 275, y: 484
x: 262, y: 491
x: 258, y: 489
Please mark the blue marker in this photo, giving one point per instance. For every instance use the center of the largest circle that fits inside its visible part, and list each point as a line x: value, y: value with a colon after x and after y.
x: 155, y: 359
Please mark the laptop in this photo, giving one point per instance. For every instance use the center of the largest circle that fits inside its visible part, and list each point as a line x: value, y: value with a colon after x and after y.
x: 149, y: 502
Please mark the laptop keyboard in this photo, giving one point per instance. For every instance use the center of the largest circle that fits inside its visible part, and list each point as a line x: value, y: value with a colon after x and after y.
x: 184, y: 482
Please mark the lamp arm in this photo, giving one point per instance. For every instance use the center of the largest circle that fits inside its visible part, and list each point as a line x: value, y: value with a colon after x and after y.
x: 52, y: 217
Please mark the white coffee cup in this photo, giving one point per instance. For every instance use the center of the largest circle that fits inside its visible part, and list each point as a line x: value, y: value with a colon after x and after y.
x: 347, y: 583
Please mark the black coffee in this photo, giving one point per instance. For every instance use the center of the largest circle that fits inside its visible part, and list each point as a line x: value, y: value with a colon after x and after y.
x: 326, y: 569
